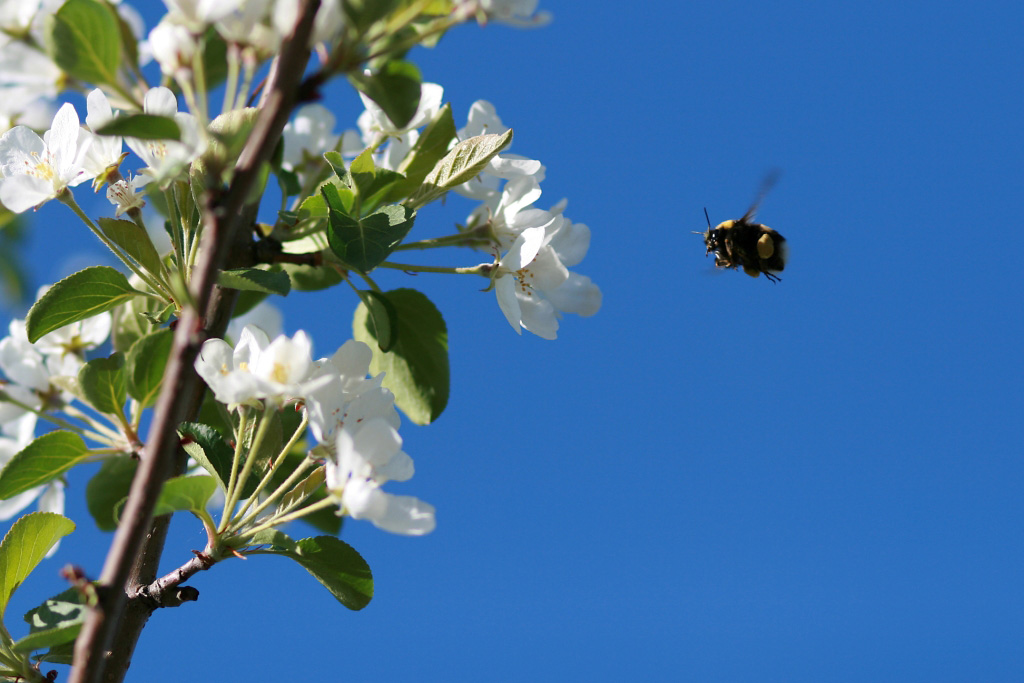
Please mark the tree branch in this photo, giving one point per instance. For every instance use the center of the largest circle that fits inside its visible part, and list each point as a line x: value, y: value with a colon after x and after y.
x: 104, y: 646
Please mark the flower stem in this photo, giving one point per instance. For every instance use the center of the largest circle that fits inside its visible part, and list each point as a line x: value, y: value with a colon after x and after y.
x: 298, y: 514
x: 461, y: 239
x: 240, y: 521
x: 250, y: 460
x: 68, y: 200
x: 410, y: 268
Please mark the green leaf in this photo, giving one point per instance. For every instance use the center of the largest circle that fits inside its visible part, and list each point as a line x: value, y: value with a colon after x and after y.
x: 278, y: 540
x: 208, y: 448
x: 255, y: 280
x: 186, y: 492
x: 108, y: 487
x: 87, y: 293
x: 304, y: 489
x: 134, y: 241
x: 395, y: 88
x: 363, y: 243
x: 429, y: 149
x: 25, y: 545
x: 336, y: 194
x: 382, y: 319
x: 337, y: 566
x: 84, y: 39
x: 325, y: 520
x: 147, y: 360
x: 58, y: 654
x: 362, y: 14
x: 56, y: 621
x: 143, y: 127
x: 311, y: 278
x: 104, y: 381
x: 416, y: 366
x: 464, y: 162
x: 43, y: 460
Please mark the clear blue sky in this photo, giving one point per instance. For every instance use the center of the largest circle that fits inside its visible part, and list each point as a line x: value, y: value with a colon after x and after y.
x: 715, y: 478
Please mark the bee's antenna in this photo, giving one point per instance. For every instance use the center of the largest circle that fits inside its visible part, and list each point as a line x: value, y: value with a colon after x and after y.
x: 707, y: 217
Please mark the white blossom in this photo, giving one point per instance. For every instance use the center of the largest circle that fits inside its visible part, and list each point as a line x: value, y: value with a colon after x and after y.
x: 166, y: 159
x: 347, y: 397
x: 366, y: 458
x: 101, y: 151
x: 257, y: 368
x: 15, y: 436
x: 173, y: 46
x: 127, y: 193
x: 308, y: 135
x: 38, y: 169
x: 327, y: 25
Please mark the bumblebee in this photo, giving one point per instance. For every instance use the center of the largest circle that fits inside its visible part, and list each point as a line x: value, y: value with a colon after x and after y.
x: 744, y: 244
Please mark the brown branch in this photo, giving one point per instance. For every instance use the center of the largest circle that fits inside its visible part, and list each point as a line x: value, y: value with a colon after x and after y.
x: 104, y: 646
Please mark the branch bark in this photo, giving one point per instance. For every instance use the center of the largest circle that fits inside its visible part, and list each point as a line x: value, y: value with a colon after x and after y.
x: 108, y: 637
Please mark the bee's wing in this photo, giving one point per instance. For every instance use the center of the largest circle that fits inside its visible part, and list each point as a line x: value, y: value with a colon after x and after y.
x: 766, y: 185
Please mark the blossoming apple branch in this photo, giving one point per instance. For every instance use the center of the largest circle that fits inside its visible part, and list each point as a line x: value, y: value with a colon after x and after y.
x: 282, y: 436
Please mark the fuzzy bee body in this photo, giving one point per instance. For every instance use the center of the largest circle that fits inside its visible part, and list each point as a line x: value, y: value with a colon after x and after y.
x: 753, y: 247
x: 741, y: 243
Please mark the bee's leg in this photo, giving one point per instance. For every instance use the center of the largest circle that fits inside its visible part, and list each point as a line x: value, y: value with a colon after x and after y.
x: 772, y: 277
x: 765, y: 246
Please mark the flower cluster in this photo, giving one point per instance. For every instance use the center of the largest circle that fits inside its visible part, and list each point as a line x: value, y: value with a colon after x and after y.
x: 36, y: 169
x: 533, y: 282
x: 30, y: 383
x: 351, y: 416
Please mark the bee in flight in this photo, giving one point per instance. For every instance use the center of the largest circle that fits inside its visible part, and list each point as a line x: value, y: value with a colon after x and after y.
x: 744, y: 244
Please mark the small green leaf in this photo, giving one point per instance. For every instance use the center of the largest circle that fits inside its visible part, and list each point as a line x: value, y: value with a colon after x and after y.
x: 87, y: 293
x: 255, y: 280
x: 207, y: 447
x: 429, y: 149
x: 25, y: 545
x: 104, y: 381
x: 337, y: 164
x: 361, y: 169
x: 416, y: 367
x: 56, y: 621
x: 363, y: 243
x: 304, y: 489
x: 186, y: 492
x: 143, y: 127
x: 84, y: 39
x: 336, y: 565
x: 464, y: 162
x: 278, y: 540
x: 333, y: 195
x: 134, y: 241
x: 395, y: 88
x: 42, y: 461
x: 147, y: 360
x: 107, y: 488
x: 325, y: 520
